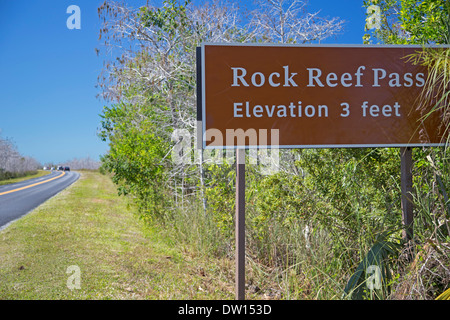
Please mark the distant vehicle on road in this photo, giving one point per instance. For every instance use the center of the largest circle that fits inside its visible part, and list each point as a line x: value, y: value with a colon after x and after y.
x: 66, y: 169
x: 60, y: 168
x: 45, y: 168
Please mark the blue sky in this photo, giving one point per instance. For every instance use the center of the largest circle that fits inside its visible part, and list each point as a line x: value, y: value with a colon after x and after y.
x: 48, y: 103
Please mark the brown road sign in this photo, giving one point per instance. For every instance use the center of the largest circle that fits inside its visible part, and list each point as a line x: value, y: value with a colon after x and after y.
x: 314, y: 96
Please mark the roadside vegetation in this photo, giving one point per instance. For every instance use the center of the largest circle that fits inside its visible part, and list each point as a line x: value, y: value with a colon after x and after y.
x: 13, y: 164
x: 76, y: 164
x: 33, y: 174
x: 315, y: 222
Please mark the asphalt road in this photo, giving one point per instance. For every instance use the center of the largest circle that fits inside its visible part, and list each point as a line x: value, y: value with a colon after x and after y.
x: 18, y: 199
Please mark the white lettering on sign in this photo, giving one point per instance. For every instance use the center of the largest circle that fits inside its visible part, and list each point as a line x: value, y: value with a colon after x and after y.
x: 395, y: 81
x: 346, y: 79
x: 316, y: 78
x: 281, y: 111
x: 386, y: 110
x: 258, y: 79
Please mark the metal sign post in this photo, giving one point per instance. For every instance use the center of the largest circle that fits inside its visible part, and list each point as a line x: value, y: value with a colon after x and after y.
x: 406, y: 188
x: 240, y: 224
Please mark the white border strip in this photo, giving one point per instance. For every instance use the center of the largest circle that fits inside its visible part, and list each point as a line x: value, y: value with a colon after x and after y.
x: 368, y: 46
x: 326, y: 146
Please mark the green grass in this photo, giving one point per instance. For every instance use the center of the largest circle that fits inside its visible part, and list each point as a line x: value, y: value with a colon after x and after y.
x: 119, y: 256
x: 39, y: 173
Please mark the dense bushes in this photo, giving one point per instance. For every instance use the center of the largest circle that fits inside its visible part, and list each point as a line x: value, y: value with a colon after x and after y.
x: 13, y: 164
x: 6, y: 175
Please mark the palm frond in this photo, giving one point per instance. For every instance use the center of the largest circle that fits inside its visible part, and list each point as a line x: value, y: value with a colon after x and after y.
x: 435, y: 96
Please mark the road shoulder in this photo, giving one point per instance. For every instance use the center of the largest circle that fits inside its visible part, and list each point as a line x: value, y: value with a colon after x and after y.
x: 88, y: 233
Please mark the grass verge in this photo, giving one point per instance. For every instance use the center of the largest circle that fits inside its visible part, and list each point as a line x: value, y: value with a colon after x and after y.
x: 119, y: 257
